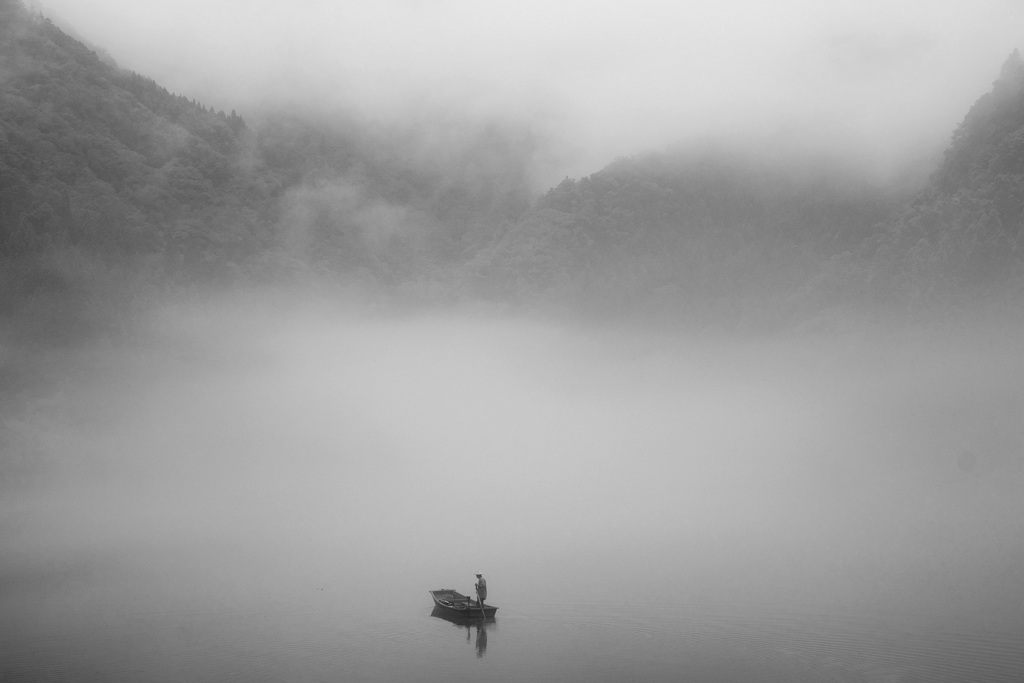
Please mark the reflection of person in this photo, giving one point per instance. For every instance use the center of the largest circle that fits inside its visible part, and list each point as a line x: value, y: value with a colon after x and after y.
x: 481, y: 641
x: 481, y: 589
x: 481, y: 638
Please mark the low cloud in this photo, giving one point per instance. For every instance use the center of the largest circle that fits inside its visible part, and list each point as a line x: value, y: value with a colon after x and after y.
x: 876, y: 80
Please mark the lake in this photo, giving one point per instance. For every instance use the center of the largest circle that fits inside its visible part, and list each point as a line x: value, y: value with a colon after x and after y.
x: 263, y: 496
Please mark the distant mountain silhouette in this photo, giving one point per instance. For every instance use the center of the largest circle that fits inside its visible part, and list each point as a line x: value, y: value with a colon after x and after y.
x: 721, y: 238
x: 111, y: 186
x: 963, y: 235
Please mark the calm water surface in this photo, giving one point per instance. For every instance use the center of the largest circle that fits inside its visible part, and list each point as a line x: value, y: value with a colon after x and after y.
x: 315, y: 638
x: 273, y: 502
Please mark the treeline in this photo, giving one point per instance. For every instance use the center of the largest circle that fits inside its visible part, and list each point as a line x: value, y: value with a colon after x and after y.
x: 104, y: 159
x: 709, y: 238
x: 111, y: 186
x: 106, y: 178
x: 725, y: 240
x: 963, y: 235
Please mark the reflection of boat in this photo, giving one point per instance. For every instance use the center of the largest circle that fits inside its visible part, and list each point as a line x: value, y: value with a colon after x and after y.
x: 478, y: 624
x: 454, y: 604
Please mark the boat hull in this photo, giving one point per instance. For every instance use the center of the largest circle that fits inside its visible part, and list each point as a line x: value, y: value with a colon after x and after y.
x: 455, y: 604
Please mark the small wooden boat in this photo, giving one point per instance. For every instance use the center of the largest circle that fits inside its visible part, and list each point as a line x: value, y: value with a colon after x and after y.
x: 456, y: 604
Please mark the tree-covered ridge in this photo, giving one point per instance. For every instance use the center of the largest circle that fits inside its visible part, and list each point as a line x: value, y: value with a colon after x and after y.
x: 706, y: 237
x: 97, y: 157
x: 990, y: 139
x: 720, y: 238
x: 107, y: 179
x: 107, y: 162
x: 963, y: 234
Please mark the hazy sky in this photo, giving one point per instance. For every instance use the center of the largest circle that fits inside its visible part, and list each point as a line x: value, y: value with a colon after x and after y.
x: 879, y: 78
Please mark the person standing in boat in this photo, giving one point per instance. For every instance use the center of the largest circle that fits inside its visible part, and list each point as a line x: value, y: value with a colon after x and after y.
x: 481, y: 589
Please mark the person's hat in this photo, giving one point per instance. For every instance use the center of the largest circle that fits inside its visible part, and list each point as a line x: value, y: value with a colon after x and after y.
x: 479, y: 574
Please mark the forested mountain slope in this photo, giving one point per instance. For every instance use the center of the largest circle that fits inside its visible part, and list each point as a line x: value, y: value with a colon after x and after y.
x: 962, y: 237
x: 108, y: 182
x: 95, y: 156
x: 716, y: 238
x: 709, y: 237
x: 110, y: 186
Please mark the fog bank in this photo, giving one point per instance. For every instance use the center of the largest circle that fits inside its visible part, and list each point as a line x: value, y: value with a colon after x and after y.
x: 879, y: 82
x: 251, y: 457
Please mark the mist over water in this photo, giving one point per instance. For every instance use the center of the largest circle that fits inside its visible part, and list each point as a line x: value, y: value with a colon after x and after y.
x: 260, y: 488
x: 257, y: 473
